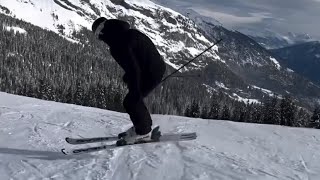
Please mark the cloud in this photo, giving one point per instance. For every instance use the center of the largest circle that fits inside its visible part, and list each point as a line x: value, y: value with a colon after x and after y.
x: 300, y: 16
x: 230, y: 19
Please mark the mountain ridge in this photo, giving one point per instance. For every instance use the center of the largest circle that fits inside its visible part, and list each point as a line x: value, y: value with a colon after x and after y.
x: 303, y: 58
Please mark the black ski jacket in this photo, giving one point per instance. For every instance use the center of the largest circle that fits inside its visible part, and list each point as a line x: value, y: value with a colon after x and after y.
x: 134, y: 52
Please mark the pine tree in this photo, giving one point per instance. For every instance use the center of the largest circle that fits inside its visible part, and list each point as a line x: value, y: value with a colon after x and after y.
x: 236, y: 113
x: 214, y: 110
x: 249, y: 113
x: 204, y: 112
x: 303, y: 118
x: 101, y: 96
x: 195, y: 109
x: 243, y: 113
x: 187, y: 112
x: 287, y: 111
x: 271, y: 114
x: 225, y: 113
x: 239, y: 112
x: 42, y: 94
x: 79, y: 94
x: 315, y: 119
x: 90, y: 97
x: 276, y: 110
x: 117, y: 100
x: 257, y: 112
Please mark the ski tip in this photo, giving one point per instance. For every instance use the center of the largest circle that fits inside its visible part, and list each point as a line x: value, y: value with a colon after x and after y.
x: 64, y: 151
x: 156, y: 128
x: 67, y: 139
x: 195, y: 134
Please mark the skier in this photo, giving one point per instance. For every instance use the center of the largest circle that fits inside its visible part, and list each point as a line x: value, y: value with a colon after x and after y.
x: 144, y: 69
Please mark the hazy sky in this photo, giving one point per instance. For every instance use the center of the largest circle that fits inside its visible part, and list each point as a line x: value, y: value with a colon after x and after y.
x: 280, y: 15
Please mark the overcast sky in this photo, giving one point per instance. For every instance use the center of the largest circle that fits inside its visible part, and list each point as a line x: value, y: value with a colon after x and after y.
x: 280, y: 15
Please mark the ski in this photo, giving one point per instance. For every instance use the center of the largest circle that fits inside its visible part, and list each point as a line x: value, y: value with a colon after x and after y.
x: 168, y: 137
x: 75, y: 141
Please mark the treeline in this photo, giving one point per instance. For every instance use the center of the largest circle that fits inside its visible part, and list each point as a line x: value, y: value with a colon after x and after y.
x: 271, y: 111
x: 44, y: 65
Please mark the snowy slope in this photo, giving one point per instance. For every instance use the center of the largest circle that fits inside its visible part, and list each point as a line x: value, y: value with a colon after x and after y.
x: 33, y: 131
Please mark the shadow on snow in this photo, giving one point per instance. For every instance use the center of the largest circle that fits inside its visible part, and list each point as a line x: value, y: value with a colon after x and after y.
x: 43, y: 155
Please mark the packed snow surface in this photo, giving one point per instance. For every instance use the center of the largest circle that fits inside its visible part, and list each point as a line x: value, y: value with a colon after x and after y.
x: 32, y: 133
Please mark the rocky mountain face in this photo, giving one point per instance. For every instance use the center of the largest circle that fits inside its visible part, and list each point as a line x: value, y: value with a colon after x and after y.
x: 302, y: 58
x: 238, y: 66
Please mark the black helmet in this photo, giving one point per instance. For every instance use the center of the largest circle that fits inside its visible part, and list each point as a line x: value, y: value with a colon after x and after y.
x: 109, y: 30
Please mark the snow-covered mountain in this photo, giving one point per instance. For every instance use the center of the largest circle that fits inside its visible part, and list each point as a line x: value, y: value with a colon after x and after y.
x: 244, y: 52
x: 173, y: 33
x: 32, y: 133
x: 302, y: 58
x: 252, y: 66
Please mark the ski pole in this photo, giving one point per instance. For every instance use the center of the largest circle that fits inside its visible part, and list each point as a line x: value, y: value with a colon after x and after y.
x: 186, y: 76
x: 192, y: 60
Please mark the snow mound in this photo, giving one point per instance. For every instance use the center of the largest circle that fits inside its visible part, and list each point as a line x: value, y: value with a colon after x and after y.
x: 16, y: 29
x: 32, y: 133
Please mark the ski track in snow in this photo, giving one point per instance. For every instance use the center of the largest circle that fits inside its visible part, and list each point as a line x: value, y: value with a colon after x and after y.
x: 32, y: 133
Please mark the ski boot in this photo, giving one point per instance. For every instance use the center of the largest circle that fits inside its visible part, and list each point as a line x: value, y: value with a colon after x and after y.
x: 131, y: 137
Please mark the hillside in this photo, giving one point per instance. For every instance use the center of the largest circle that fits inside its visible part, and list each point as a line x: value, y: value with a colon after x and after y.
x: 302, y: 58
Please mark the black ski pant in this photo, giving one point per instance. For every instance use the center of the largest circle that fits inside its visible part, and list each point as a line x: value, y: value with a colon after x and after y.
x: 136, y: 108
